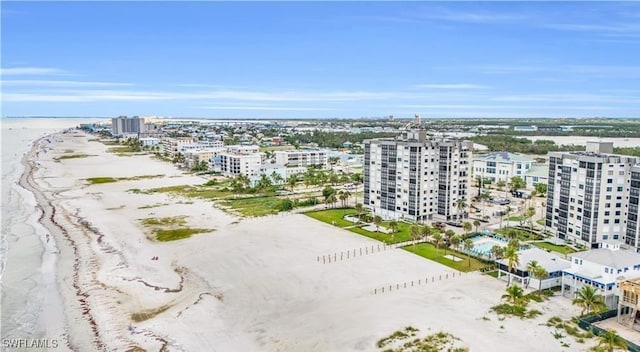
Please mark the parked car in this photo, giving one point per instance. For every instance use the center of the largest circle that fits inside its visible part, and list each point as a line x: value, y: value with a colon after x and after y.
x: 439, y: 224
x: 455, y: 223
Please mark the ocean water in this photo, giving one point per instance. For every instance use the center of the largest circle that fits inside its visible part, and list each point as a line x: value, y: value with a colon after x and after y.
x: 30, y: 304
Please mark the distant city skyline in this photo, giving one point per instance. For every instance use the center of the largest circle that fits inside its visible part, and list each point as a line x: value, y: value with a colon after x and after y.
x: 321, y: 60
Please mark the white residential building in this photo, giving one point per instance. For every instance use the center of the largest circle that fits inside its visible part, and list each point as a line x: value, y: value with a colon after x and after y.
x: 537, y: 174
x: 199, y: 145
x: 601, y: 268
x: 232, y: 164
x: 207, y: 155
x: 415, y: 177
x: 553, y: 264
x: 501, y: 166
x: 588, y: 194
x: 171, y: 145
x: 149, y: 141
x: 301, y: 158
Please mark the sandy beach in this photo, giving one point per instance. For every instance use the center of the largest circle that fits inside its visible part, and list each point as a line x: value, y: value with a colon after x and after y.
x: 251, y: 284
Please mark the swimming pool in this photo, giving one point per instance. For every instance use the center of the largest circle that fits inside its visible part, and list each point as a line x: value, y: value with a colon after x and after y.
x: 482, y: 244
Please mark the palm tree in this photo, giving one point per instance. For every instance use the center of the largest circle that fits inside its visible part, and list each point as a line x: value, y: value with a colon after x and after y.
x: 467, y: 226
x: 484, y: 196
x: 461, y: 204
x: 448, y: 236
x: 500, y: 185
x: 513, y: 258
x: 292, y: 180
x: 497, y: 252
x: 589, y: 299
x: 346, y: 194
x: 377, y: 220
x: 426, y: 230
x: 415, y: 234
x: 393, y: 225
x: 540, y: 273
x: 476, y: 224
x: 468, y: 246
x: 276, y: 177
x: 515, y: 294
x: 611, y: 340
x: 359, y: 210
x: 455, y: 241
x: 528, y: 214
x: 531, y: 267
x: 437, y: 240
x: 343, y: 198
x: 332, y: 199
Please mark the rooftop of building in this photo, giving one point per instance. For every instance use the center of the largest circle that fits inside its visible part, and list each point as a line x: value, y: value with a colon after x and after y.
x: 617, y: 259
x: 551, y: 262
x: 504, y: 157
x: 538, y: 171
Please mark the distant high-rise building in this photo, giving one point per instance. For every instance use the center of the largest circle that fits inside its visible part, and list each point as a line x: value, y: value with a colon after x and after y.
x: 417, y: 120
x: 416, y: 178
x: 588, y: 194
x: 122, y: 125
x: 390, y: 118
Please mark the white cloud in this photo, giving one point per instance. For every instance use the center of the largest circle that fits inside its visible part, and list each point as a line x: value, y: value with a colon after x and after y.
x: 452, y: 86
x: 53, y: 83
x: 30, y: 71
x: 265, y: 108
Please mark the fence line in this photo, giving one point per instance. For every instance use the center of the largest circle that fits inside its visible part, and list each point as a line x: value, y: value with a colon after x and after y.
x: 353, y: 253
x: 415, y: 283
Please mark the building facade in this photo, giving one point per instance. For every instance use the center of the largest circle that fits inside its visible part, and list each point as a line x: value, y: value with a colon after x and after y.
x: 122, y: 125
x: 232, y: 164
x: 301, y: 158
x: 416, y: 178
x: 501, y: 166
x: 602, y: 269
x: 632, y: 231
x: 587, y: 195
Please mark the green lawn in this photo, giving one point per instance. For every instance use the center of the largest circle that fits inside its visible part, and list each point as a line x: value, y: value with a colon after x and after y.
x: 554, y: 248
x: 331, y: 215
x: 541, y: 221
x: 429, y: 251
x: 515, y: 218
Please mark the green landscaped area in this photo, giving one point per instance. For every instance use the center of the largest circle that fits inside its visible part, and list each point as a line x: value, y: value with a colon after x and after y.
x: 171, y: 228
x: 254, y: 206
x: 187, y: 191
x: 331, y: 215
x: 429, y: 251
x: 554, y: 248
x: 522, y: 235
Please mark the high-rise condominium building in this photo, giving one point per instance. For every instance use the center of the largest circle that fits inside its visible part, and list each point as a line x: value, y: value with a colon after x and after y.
x: 587, y: 194
x: 416, y: 178
x: 127, y: 125
x: 632, y: 233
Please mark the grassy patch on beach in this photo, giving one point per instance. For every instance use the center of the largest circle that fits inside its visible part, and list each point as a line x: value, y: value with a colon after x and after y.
x: 407, y: 341
x: 254, y: 206
x: 554, y: 248
x: 515, y: 310
x: 178, y: 234
x: 148, y: 313
x: 72, y: 156
x: 168, y: 221
x: 153, y: 206
x: 429, y: 251
x: 187, y: 191
x: 124, y: 150
x: 100, y: 180
x: 171, y: 228
x: 333, y: 216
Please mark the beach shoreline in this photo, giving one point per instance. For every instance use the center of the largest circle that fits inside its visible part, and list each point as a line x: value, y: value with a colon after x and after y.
x: 251, y: 284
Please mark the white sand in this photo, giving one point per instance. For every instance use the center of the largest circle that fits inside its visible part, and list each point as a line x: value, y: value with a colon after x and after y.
x: 255, y: 285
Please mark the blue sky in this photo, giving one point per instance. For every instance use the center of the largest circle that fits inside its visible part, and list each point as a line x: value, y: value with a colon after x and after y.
x: 319, y: 59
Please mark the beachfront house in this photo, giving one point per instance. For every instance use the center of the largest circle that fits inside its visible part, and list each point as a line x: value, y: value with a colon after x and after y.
x: 553, y: 264
x: 601, y: 268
